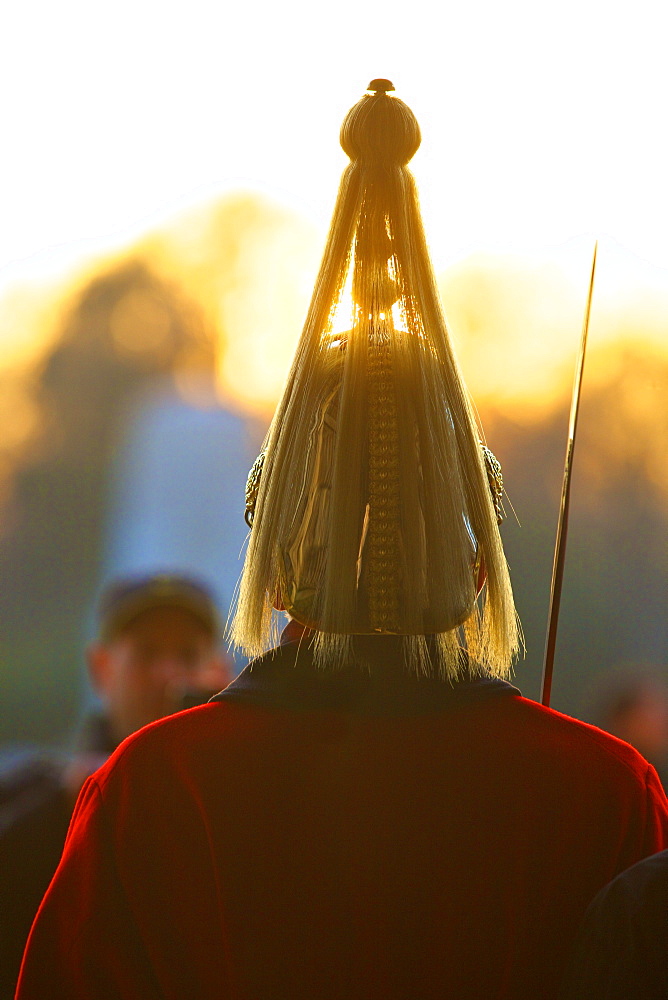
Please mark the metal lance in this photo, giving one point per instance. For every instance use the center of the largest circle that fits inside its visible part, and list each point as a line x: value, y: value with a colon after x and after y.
x: 562, y: 524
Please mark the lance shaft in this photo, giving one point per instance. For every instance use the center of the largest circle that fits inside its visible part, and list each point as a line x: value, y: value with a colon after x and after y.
x: 562, y: 524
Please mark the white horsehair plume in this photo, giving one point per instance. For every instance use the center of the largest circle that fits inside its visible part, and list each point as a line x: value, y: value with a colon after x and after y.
x: 373, y: 507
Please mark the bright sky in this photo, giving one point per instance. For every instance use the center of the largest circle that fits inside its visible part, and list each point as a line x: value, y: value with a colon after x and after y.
x: 540, y: 122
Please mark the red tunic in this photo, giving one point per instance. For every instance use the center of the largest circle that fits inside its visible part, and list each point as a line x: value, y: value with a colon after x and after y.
x: 337, y: 837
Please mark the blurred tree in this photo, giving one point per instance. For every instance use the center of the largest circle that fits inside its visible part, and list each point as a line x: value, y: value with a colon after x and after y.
x: 126, y: 330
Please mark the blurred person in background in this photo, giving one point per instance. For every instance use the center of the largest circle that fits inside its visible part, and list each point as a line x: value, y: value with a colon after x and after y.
x: 156, y: 653
x: 622, y: 948
x: 632, y: 704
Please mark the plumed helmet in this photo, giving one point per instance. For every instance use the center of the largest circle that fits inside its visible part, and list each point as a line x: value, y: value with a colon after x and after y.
x: 371, y: 504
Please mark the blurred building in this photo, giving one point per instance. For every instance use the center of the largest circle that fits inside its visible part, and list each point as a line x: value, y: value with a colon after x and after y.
x: 178, y: 494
